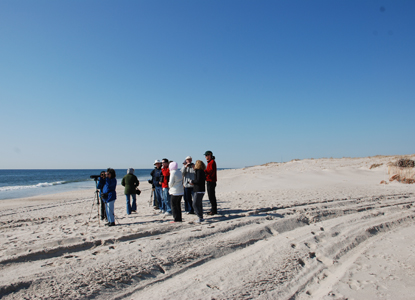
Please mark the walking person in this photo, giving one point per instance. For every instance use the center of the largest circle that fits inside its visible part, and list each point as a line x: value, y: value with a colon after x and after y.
x: 176, y: 191
x: 155, y: 181
x: 130, y: 182
x: 188, y: 173
x: 164, y: 181
x: 109, y: 195
x: 199, y: 189
x: 211, y: 178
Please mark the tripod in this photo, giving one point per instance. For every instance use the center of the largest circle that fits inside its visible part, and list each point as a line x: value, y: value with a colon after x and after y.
x: 96, y: 197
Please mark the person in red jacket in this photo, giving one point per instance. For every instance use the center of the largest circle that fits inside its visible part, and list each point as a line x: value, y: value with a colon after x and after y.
x: 164, y: 181
x: 211, y: 179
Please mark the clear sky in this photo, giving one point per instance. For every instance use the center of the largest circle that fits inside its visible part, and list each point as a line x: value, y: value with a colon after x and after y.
x: 96, y: 83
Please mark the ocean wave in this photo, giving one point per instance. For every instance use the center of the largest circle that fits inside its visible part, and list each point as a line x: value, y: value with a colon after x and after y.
x: 35, y: 186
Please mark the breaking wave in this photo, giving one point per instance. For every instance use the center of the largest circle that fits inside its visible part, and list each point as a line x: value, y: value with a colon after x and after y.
x: 35, y: 186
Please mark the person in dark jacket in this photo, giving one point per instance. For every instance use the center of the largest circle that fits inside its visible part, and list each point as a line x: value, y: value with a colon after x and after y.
x: 155, y: 181
x: 130, y: 182
x: 211, y: 179
x: 199, y: 189
x: 103, y: 213
x: 108, y: 185
x: 188, y: 175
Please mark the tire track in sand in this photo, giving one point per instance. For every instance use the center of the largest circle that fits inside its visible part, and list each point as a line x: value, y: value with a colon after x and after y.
x: 228, y: 236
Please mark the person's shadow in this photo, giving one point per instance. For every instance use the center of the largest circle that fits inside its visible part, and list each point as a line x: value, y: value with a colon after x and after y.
x: 228, y: 213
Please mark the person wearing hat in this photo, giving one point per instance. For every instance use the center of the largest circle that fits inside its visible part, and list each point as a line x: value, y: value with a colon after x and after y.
x: 155, y: 181
x: 211, y: 178
x: 188, y: 175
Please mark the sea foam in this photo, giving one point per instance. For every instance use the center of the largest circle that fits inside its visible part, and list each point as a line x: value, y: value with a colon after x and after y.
x: 24, y: 187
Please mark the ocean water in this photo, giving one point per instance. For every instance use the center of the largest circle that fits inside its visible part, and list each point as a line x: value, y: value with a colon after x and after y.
x: 27, y: 183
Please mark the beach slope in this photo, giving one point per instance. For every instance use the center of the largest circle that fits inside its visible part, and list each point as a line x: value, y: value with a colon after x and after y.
x: 305, y: 229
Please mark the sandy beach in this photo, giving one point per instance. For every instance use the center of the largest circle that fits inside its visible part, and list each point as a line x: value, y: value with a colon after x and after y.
x: 306, y: 229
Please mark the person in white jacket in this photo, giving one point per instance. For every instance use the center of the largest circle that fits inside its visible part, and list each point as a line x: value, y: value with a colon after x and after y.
x: 176, y: 191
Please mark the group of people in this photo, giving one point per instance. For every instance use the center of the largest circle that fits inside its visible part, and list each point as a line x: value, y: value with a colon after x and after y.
x: 107, y: 184
x: 169, y: 183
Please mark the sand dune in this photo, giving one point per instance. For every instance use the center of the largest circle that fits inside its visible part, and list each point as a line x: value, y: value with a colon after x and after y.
x: 308, y: 229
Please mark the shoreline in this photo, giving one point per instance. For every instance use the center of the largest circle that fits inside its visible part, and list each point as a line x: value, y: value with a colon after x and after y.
x: 55, y: 187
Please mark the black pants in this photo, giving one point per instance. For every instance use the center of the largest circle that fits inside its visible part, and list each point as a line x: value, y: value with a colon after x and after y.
x: 103, y: 213
x: 176, y: 209
x: 211, y: 186
x: 198, y: 204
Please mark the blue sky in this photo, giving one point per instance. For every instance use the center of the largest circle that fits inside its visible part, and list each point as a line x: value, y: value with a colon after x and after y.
x: 96, y: 84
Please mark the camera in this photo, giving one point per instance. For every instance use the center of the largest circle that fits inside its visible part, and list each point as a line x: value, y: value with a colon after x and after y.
x: 95, y: 177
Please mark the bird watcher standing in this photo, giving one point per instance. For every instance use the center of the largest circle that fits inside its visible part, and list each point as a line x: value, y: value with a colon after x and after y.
x: 130, y: 182
x: 164, y: 181
x: 188, y: 175
x: 109, y: 195
x: 211, y: 178
x: 158, y: 190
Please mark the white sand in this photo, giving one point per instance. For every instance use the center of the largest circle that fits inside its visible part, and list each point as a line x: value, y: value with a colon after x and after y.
x: 310, y: 229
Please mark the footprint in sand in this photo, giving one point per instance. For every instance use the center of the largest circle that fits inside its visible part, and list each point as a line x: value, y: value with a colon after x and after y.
x: 301, y: 262
x: 354, y: 284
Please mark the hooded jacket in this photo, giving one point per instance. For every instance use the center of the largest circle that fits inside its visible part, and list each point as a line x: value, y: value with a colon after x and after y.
x: 176, y: 180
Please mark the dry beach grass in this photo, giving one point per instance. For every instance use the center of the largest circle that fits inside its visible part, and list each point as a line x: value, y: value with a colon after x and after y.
x: 305, y: 229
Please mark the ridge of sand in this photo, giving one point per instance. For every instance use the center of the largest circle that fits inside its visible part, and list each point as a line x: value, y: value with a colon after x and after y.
x: 309, y: 229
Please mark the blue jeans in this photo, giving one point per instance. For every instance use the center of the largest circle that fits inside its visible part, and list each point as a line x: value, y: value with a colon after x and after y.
x: 133, y: 206
x: 166, y: 200
x: 109, y: 207
x: 157, y: 196
x: 188, y: 192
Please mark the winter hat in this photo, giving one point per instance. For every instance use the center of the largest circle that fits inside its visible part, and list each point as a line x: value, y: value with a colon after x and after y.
x: 173, y: 166
x: 157, y: 161
x: 130, y: 171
